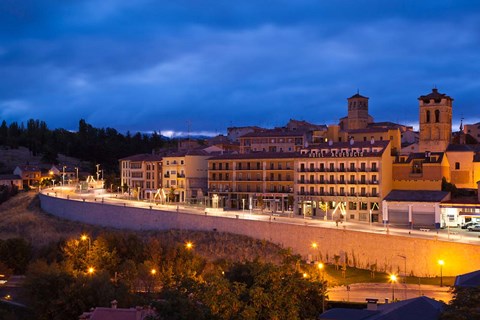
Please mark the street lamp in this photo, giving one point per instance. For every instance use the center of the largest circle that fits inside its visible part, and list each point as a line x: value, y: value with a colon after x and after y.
x: 91, y: 270
x: 189, y: 245
x: 63, y: 176
x: 441, y: 263
x: 405, y: 274
x: 84, y: 237
x: 314, y: 247
x: 320, y: 267
x: 76, y: 169
x: 393, y: 279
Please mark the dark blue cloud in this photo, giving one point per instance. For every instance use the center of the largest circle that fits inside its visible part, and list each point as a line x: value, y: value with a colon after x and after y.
x: 156, y: 65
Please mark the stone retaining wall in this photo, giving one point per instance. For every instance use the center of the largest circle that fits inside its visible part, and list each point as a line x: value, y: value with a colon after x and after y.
x: 360, y: 249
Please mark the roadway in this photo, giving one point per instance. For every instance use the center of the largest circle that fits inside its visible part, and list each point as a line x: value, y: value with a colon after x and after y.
x: 360, y: 291
x: 452, y: 234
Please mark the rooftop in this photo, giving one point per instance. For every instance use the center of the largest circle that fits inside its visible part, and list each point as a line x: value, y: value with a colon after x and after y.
x: 435, y: 95
x: 143, y: 157
x: 471, y: 279
x: 417, y: 196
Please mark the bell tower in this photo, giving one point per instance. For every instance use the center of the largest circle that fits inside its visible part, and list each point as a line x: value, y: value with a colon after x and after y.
x: 358, y: 117
x: 435, y: 121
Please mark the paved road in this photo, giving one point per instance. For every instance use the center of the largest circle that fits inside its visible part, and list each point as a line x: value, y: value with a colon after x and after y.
x: 360, y: 291
x: 452, y: 235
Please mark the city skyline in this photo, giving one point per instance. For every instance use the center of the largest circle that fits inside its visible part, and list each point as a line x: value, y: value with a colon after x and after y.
x: 186, y: 67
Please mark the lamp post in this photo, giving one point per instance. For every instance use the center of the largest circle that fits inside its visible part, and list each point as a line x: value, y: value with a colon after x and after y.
x: 98, y: 171
x: 63, y: 176
x: 441, y: 263
x: 84, y: 237
x: 393, y: 279
x: 405, y: 273
x: 76, y: 169
x: 314, y: 247
x: 321, y: 268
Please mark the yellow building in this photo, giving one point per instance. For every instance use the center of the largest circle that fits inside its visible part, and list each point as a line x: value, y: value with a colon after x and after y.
x: 185, y: 176
x: 420, y: 171
x: 464, y: 165
x: 252, y: 181
x: 343, y: 180
x: 141, y: 175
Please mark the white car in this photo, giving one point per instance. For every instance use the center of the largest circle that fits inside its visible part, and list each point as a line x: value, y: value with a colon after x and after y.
x: 475, y: 227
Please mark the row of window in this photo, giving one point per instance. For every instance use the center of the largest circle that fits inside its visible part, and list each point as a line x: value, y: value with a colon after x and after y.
x: 252, y: 166
x: 341, y: 166
x: 341, y: 191
x: 250, y: 188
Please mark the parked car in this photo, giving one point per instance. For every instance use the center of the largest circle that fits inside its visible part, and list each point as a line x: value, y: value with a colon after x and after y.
x: 475, y: 227
x: 468, y: 224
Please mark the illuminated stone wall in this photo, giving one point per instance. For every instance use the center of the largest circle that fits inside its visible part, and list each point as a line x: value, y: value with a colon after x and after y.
x: 361, y: 249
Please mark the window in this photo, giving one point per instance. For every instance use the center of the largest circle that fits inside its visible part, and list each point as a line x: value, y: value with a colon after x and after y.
x: 352, y: 206
x: 457, y: 165
x: 437, y: 115
x: 427, y: 116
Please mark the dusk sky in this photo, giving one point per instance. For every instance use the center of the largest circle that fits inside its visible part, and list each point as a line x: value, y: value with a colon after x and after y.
x: 207, y: 65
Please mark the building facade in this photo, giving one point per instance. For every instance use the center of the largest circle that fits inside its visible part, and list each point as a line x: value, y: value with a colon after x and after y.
x: 343, y: 180
x: 185, y: 176
x: 141, y: 175
x: 275, y: 140
x: 262, y: 181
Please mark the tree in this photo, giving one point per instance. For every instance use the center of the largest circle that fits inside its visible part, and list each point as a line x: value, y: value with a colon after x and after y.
x: 464, y: 305
x: 16, y: 254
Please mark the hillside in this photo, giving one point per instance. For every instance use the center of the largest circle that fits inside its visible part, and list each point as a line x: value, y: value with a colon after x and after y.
x: 10, y: 158
x: 22, y: 217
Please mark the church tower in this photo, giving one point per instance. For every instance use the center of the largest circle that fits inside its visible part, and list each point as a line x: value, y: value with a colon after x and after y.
x: 358, y: 117
x: 435, y: 121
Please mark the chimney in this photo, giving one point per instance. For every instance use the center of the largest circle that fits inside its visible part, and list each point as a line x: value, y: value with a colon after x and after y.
x: 372, y: 304
x: 114, y: 304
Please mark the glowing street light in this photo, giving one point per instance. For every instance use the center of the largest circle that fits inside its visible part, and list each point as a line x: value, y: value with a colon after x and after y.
x: 189, y: 245
x: 314, y: 247
x: 85, y: 237
x: 441, y: 263
x: 305, y: 275
x: 393, y: 279
x: 321, y: 267
x: 153, y: 272
x: 91, y: 270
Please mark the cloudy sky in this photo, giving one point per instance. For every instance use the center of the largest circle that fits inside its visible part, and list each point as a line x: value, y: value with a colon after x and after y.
x: 206, y: 65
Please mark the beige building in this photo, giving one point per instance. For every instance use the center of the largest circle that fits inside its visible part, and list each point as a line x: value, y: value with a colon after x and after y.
x: 464, y: 165
x: 11, y: 180
x: 252, y: 181
x: 343, y: 180
x: 435, y: 121
x: 358, y: 117
x: 473, y: 130
x: 275, y: 140
x: 185, y: 176
x: 141, y: 175
x: 31, y: 176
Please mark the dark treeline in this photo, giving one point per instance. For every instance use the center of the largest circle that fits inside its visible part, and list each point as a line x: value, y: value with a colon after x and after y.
x: 96, y: 145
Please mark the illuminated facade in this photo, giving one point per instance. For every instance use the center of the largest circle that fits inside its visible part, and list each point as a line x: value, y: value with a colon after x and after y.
x: 141, y: 175
x: 435, y: 121
x: 185, y: 176
x: 420, y: 171
x: 343, y: 180
x: 252, y: 181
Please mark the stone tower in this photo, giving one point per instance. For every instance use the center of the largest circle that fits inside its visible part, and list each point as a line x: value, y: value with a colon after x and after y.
x: 435, y: 121
x: 358, y: 117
